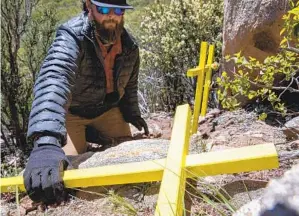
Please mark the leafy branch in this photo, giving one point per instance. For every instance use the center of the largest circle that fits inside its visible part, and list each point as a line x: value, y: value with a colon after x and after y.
x: 268, y: 80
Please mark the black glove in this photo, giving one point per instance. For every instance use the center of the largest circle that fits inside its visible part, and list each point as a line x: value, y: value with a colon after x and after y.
x: 42, y: 178
x: 138, y: 122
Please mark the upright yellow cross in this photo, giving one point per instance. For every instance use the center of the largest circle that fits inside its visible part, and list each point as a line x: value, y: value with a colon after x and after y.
x: 204, y: 74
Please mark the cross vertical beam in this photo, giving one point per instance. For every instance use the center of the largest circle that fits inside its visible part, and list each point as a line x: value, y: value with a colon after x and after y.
x: 199, y: 85
x: 172, y: 189
x: 204, y: 75
x: 207, y: 84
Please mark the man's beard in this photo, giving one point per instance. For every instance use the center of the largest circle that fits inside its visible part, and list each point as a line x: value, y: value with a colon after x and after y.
x: 108, y: 36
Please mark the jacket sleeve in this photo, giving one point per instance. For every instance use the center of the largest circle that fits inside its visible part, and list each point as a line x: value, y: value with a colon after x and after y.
x: 129, y: 102
x: 52, y: 89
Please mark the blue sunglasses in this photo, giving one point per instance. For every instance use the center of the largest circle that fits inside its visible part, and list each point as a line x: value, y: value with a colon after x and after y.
x: 106, y: 10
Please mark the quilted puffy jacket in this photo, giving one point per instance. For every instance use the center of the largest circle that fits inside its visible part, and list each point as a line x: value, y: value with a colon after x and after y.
x: 72, y: 79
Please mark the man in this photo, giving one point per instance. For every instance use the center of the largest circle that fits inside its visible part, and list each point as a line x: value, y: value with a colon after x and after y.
x: 88, y: 79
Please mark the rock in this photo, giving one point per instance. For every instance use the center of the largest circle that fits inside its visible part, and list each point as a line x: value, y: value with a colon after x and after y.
x: 252, y: 27
x: 284, y: 190
x: 79, y: 159
x: 243, y: 191
x: 27, y: 205
x: 127, y: 152
x: 288, y: 155
x: 291, y: 129
x: 210, y: 116
x: 281, y: 194
x: 293, y: 123
x: 237, y: 191
x: 251, y: 209
x: 4, y: 208
x: 131, y: 151
x: 238, y: 129
x: 242, y: 198
x: 294, y: 145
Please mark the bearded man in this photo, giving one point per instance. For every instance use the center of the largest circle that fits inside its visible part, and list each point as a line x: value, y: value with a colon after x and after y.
x: 89, y: 79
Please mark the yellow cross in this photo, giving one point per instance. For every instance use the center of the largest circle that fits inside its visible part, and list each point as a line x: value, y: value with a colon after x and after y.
x: 172, y: 171
x: 204, y: 74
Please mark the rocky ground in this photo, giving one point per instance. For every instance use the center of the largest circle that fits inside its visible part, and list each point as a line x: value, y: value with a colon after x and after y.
x: 217, y: 131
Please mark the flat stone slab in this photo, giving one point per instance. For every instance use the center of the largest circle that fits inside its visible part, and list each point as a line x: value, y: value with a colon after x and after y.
x: 133, y: 151
x: 128, y: 152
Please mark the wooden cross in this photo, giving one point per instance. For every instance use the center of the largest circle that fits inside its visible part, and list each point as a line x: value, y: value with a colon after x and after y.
x: 172, y: 171
x: 204, y: 75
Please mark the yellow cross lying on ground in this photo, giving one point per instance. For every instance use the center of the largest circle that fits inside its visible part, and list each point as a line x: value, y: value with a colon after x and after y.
x: 173, y: 170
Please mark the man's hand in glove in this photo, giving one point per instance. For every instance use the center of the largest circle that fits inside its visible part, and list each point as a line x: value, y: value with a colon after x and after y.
x: 42, y: 177
x: 139, y: 123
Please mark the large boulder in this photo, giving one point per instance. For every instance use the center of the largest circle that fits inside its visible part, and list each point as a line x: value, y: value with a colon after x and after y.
x: 253, y: 27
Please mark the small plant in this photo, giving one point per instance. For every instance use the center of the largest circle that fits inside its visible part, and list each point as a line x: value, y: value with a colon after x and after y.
x: 259, y: 80
x: 215, y: 197
x: 118, y: 201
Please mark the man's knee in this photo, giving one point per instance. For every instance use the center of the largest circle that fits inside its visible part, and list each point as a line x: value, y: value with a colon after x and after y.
x: 76, y: 143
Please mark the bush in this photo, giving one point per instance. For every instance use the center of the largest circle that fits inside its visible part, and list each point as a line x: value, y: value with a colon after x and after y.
x: 170, y: 40
x: 275, y: 76
x: 28, y: 31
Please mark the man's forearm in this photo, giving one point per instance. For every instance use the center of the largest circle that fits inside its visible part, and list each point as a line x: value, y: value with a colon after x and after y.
x: 52, y: 89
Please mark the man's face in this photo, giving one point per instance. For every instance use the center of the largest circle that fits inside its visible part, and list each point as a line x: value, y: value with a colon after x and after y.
x: 108, y: 26
x: 108, y: 21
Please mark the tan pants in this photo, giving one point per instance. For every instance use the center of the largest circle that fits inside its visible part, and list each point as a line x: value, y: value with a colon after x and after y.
x: 110, y: 124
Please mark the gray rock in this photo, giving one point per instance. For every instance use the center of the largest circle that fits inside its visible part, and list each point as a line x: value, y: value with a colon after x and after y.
x: 238, y: 192
x: 133, y: 151
x: 127, y: 152
x: 4, y: 208
x: 243, y: 191
x: 251, y: 209
x: 237, y: 129
x: 283, y: 191
x: 240, y: 199
x: 293, y: 123
x: 291, y: 129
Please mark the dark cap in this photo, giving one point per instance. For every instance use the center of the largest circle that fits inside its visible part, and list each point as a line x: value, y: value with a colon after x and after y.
x: 112, y: 3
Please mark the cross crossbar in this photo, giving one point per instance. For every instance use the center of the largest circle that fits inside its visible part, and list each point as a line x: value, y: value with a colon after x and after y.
x: 245, y: 159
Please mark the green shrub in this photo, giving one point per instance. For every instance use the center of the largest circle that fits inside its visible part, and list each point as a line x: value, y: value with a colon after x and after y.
x: 170, y: 40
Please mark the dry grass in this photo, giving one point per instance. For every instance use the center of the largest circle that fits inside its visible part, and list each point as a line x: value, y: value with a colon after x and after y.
x: 208, y: 200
